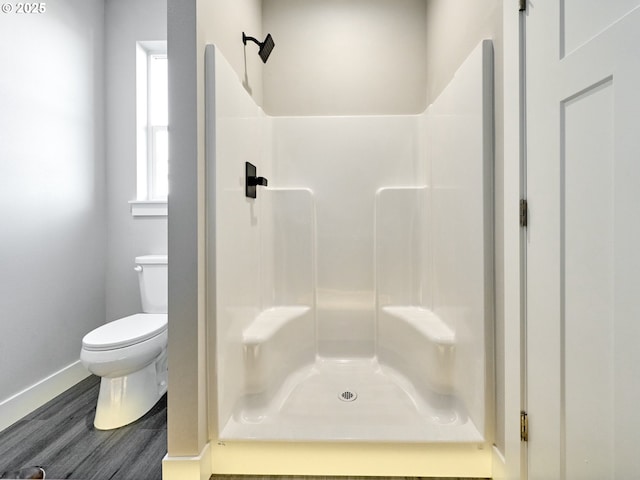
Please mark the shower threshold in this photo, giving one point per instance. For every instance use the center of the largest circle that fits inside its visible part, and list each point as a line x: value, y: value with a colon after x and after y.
x: 350, y: 400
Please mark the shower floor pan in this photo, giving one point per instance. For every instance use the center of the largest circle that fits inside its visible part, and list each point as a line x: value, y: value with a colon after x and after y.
x: 349, y: 400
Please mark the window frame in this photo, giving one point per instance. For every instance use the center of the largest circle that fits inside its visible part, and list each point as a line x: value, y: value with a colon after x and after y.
x: 147, y: 203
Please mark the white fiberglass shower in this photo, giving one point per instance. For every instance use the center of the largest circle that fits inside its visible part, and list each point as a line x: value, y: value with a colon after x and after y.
x: 353, y: 297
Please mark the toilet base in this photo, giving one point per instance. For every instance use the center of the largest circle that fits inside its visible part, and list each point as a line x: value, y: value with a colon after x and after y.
x: 123, y: 400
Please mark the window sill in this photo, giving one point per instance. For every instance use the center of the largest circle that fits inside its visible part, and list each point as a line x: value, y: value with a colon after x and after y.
x: 148, y: 208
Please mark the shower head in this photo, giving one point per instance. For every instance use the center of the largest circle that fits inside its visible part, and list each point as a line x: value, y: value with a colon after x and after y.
x: 265, y: 47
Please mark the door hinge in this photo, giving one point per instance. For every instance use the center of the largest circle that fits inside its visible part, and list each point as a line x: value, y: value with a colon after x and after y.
x: 524, y: 427
x: 524, y: 213
x: 523, y: 5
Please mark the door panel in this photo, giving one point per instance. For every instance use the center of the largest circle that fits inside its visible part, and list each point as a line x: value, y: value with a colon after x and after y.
x: 586, y: 282
x: 582, y: 20
x: 583, y: 255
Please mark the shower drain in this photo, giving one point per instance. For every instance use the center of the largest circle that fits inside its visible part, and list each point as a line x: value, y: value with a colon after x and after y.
x: 347, y: 396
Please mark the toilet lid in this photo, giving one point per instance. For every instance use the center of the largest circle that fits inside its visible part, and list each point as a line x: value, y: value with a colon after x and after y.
x: 126, y: 331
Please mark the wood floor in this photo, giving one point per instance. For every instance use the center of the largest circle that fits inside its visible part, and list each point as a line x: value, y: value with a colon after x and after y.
x: 61, y: 438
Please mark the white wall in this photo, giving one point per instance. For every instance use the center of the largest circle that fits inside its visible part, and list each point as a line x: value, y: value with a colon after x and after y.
x: 454, y: 28
x: 127, y: 21
x: 331, y: 57
x: 345, y: 57
x: 187, y: 413
x: 221, y: 22
x: 52, y: 188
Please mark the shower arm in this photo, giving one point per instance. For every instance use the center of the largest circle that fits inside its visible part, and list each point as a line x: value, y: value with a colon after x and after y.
x: 247, y: 37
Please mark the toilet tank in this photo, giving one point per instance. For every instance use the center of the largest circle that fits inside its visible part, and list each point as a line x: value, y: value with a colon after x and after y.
x: 153, y: 280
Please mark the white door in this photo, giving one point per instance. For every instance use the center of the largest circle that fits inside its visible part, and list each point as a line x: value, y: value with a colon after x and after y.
x: 583, y: 239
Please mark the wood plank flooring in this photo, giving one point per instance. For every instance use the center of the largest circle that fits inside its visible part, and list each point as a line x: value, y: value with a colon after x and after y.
x: 61, y: 438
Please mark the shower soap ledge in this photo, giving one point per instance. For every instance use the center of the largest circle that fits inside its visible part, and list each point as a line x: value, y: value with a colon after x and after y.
x: 425, y: 322
x: 269, y: 322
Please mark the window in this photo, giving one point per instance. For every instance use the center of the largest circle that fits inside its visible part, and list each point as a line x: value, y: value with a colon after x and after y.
x: 158, y: 162
x: 152, y: 135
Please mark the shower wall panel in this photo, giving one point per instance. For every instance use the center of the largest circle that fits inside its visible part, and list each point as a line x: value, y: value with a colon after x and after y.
x: 262, y: 294
x: 460, y: 153
x: 344, y: 161
x: 445, y: 231
x: 237, y: 131
x: 288, y: 246
x: 372, y: 241
x: 402, y: 246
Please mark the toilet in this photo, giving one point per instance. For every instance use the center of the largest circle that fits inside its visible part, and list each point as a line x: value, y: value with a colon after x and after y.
x: 130, y: 354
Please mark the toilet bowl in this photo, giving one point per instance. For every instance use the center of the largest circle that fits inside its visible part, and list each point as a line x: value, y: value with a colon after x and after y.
x: 130, y: 354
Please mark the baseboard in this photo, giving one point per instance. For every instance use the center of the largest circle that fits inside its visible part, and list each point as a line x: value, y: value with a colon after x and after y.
x: 351, y: 459
x: 31, y: 398
x: 188, y: 468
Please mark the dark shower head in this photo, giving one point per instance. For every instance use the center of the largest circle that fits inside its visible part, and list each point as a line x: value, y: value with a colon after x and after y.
x: 265, y: 47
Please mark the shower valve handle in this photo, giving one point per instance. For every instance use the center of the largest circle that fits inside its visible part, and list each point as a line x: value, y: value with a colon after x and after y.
x: 259, y: 181
x: 252, y: 180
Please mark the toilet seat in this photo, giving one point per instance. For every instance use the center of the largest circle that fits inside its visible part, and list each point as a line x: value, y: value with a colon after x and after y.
x: 125, y: 332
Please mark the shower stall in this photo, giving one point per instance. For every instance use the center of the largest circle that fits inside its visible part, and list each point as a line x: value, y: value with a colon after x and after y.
x: 353, y: 297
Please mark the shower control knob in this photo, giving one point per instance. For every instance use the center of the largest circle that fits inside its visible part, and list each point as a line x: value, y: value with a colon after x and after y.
x: 260, y: 181
x: 252, y: 180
